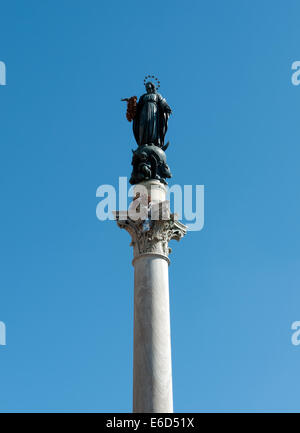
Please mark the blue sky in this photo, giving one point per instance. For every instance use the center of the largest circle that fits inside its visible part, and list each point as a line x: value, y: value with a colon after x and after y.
x: 66, y: 281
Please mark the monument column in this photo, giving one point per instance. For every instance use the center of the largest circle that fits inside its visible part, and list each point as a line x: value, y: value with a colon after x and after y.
x: 152, y: 366
x: 150, y: 231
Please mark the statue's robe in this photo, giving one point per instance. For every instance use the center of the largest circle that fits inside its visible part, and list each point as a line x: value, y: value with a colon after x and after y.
x: 150, y: 123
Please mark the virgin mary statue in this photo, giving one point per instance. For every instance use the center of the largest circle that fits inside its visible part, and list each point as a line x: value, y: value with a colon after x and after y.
x: 150, y: 122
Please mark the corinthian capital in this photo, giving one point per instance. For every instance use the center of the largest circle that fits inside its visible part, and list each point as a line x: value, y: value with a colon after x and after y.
x: 151, y: 236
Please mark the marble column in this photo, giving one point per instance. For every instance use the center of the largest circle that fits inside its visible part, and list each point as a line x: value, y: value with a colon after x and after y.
x: 152, y: 366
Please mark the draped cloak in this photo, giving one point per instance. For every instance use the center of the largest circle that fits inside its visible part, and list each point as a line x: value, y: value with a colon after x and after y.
x: 150, y: 123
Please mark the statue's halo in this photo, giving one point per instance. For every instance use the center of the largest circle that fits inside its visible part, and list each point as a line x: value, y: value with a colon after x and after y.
x: 152, y: 77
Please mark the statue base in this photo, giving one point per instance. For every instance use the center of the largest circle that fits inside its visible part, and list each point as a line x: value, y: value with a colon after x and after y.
x: 149, y: 162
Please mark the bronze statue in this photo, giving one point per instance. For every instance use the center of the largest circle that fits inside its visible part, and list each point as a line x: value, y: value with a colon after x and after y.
x: 150, y: 117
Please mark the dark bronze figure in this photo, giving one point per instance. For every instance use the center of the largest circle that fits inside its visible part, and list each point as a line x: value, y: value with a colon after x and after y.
x: 150, y: 117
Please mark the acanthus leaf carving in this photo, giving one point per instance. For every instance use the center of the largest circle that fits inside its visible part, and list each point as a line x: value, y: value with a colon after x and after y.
x: 153, y: 237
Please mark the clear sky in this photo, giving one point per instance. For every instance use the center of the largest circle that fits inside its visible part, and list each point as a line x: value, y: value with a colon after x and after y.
x: 66, y: 281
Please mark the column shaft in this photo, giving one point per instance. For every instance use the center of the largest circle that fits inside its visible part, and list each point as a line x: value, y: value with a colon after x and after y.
x: 152, y: 368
